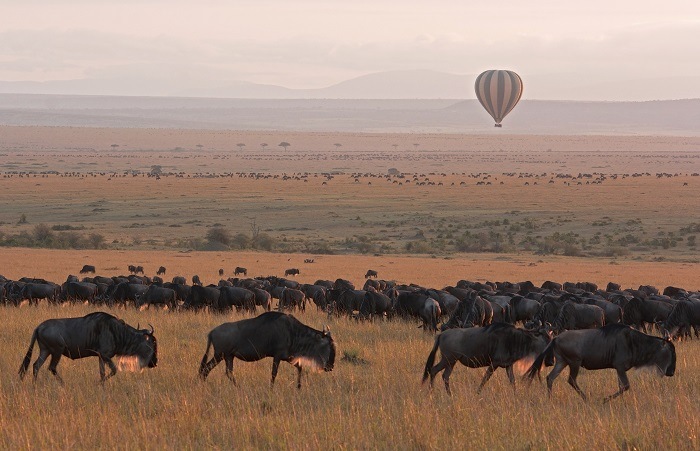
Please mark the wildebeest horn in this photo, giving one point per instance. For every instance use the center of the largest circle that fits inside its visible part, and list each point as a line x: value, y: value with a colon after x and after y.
x: 138, y: 326
x: 152, y: 330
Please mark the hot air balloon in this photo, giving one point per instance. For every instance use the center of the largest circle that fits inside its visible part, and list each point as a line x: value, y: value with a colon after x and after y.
x: 498, y: 92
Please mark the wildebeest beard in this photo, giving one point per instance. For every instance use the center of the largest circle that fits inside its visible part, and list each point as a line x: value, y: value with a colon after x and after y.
x: 308, y: 356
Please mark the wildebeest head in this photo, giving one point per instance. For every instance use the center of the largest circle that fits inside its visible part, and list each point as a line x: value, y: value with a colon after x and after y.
x: 146, y: 348
x: 319, y: 352
x: 665, y: 359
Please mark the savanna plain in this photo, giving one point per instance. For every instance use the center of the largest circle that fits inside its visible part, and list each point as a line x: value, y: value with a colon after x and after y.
x: 425, y: 209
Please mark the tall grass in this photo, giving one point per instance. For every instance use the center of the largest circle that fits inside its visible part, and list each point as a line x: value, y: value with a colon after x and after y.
x: 376, y: 405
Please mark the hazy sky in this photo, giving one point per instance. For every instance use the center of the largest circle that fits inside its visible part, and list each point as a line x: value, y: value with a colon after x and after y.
x: 316, y: 43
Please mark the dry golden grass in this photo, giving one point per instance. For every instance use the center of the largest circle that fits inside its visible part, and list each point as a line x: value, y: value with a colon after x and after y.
x: 379, y: 405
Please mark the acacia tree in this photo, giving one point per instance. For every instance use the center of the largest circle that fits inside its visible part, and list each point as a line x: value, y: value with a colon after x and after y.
x: 284, y: 144
x: 338, y: 145
x: 240, y: 146
x: 416, y: 145
x: 394, y: 146
x: 263, y: 145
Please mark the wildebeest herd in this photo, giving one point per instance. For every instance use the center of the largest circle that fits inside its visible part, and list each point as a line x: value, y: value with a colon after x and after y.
x: 572, y: 324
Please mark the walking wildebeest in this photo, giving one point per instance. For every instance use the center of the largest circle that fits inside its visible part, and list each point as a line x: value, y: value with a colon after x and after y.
x: 291, y: 272
x: 87, y: 269
x: 613, y: 346
x: 272, y: 334
x: 371, y: 273
x: 161, y: 271
x: 98, y: 334
x: 240, y: 270
x: 498, y: 345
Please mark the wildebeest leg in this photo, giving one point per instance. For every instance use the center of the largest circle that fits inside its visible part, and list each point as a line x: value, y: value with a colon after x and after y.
x: 43, y: 354
x: 487, y: 376
x: 573, y: 374
x: 275, y: 367
x: 558, y: 368
x: 229, y: 369
x: 112, y: 368
x: 436, y: 369
x: 446, y: 376
x: 511, y: 375
x: 55, y: 358
x: 298, y: 376
x: 216, y: 358
x: 624, y: 385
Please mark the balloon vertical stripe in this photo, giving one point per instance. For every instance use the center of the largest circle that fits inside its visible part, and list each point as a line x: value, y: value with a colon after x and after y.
x: 498, y: 91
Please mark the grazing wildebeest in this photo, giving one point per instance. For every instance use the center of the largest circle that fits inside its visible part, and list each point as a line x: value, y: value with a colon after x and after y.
x: 240, y: 298
x: 272, y: 334
x: 683, y: 315
x: 240, y: 270
x: 158, y: 295
x: 523, y: 309
x: 371, y: 273
x: 613, y: 346
x: 79, y: 291
x: 290, y: 299
x: 291, y: 272
x: 342, y: 284
x: 317, y: 294
x: 138, y: 270
x: 87, y: 269
x: 98, y: 334
x: 498, y: 345
x: 375, y: 303
x: 262, y: 298
x: 421, y: 306
x: 126, y: 291
x: 161, y: 271
x: 578, y: 316
x: 132, y: 269
x: 179, y: 280
x: 200, y: 297
x: 35, y: 291
x: 640, y: 312
x: 196, y: 281
x: 221, y: 272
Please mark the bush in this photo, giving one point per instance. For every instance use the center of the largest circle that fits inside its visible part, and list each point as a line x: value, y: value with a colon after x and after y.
x: 219, y: 235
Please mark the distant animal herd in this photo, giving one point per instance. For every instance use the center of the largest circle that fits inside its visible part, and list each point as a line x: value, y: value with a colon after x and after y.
x: 578, y: 325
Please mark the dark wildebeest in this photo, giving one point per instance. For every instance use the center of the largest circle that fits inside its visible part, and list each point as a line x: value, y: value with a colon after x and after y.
x: 612, y: 287
x: 126, y: 292
x: 342, y: 284
x: 375, y: 303
x: 640, y: 312
x: 291, y: 272
x: 327, y: 284
x: 79, y: 291
x: 98, y: 334
x: 200, y: 297
x: 35, y: 291
x: 674, y: 292
x: 87, y: 269
x: 613, y: 346
x: 345, y: 301
x: 498, y: 345
x: 181, y: 291
x: 421, y: 306
x: 683, y: 315
x: 221, y: 272
x: 551, y: 286
x: 371, y: 273
x: 240, y: 270
x: 158, y: 295
x: 578, y: 316
x: 179, y: 280
x: 196, y: 281
x: 240, y: 298
x: 161, y: 271
x: 272, y: 334
x: 523, y: 309
x: 138, y: 270
x: 290, y: 299
x: 262, y: 298
x: 132, y: 269
x: 317, y: 294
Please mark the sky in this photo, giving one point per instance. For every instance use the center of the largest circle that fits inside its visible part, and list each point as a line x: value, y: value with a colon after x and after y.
x: 592, y: 49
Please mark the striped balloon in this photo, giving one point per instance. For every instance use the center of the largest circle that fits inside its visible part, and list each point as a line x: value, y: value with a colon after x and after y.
x: 498, y: 91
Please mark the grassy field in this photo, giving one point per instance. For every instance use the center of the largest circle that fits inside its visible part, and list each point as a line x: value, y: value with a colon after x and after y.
x: 632, y: 230
x: 380, y: 404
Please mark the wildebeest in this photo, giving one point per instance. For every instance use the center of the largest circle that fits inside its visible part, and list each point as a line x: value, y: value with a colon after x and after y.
x: 179, y: 280
x: 290, y: 299
x: 291, y: 272
x: 221, y: 272
x: 161, y: 271
x: 371, y: 273
x: 87, y: 269
x: 237, y: 297
x: 138, y: 270
x: 196, y: 281
x: 272, y: 334
x: 98, y: 334
x: 35, y: 291
x: 79, y: 291
x: 421, y: 306
x: 240, y: 270
x: 613, y: 346
x: 579, y: 316
x: 640, y: 312
x: 684, y: 315
x: 158, y: 295
x: 200, y: 297
x: 126, y: 292
x: 498, y: 345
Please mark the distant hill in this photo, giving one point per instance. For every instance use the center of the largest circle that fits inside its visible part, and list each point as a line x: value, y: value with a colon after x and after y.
x: 672, y: 117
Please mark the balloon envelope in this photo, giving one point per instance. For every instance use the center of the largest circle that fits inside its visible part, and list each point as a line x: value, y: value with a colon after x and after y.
x: 498, y: 92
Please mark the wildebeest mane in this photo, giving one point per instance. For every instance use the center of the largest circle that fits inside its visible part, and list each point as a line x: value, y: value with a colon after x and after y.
x: 303, y: 341
x: 126, y: 337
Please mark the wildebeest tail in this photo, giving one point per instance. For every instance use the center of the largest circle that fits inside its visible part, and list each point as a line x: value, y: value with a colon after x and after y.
x: 547, y: 354
x: 28, y: 357
x: 431, y: 359
x: 205, y: 358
